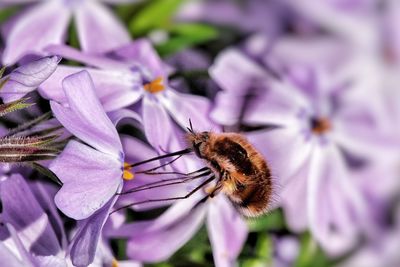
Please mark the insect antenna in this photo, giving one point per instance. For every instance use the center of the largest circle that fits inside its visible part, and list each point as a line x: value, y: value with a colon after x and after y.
x: 210, y: 179
x: 190, y: 129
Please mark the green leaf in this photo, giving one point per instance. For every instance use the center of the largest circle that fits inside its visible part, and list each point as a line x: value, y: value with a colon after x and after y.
x: 73, y: 38
x: 162, y: 264
x: 6, y: 13
x: 195, y: 31
x: 45, y: 171
x: 261, y: 255
x: 312, y: 255
x: 270, y: 221
x: 127, y: 11
x: 157, y: 14
x: 187, y: 35
x: 253, y: 263
x: 308, y: 251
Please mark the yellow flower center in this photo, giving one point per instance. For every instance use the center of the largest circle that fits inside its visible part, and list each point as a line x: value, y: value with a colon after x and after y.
x: 127, y: 173
x: 154, y: 86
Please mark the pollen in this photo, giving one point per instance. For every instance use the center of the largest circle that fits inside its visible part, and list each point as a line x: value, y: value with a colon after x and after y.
x: 155, y: 86
x: 114, y: 263
x: 127, y: 173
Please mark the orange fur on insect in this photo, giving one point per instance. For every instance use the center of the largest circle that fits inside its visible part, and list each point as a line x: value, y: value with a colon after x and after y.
x: 243, y: 174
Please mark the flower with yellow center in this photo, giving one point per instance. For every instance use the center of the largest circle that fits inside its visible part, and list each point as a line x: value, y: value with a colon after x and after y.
x: 155, y: 86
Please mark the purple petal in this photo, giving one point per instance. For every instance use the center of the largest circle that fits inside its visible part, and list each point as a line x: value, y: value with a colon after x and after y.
x: 45, y: 193
x: 359, y: 131
x: 27, y: 78
x: 227, y: 231
x: 335, y: 207
x: 183, y: 107
x: 142, y: 51
x: 118, y: 115
x: 27, y: 258
x: 7, y: 256
x: 236, y: 73
x: 227, y: 109
x: 99, y: 30
x: 86, y: 240
x: 22, y: 210
x: 176, y: 231
x: 85, y: 117
x: 157, y: 124
x: 131, y: 147
x: 90, y: 179
x: 285, y: 150
x: 125, y: 86
x: 277, y: 104
x: 32, y: 32
x: 115, y: 99
x: 293, y: 197
x: 86, y: 58
x: 53, y: 261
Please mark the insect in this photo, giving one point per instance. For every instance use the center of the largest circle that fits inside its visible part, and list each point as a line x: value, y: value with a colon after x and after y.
x: 242, y: 173
x: 238, y: 169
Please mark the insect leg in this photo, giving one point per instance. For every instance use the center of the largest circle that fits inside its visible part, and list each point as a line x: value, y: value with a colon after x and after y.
x: 167, y: 199
x: 166, y: 182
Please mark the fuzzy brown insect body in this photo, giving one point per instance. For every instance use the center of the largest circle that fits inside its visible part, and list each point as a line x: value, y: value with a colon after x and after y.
x: 243, y: 175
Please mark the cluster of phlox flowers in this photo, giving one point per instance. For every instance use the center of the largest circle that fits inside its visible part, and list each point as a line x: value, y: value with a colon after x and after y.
x: 314, y: 86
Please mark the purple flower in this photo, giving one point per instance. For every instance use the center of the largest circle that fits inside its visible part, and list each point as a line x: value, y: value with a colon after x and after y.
x: 352, y: 19
x: 91, y: 174
x: 318, y: 126
x: 27, y: 78
x: 98, y: 30
x: 137, y: 74
x: 85, y: 118
x: 26, y: 229
x: 381, y: 251
x: 31, y: 237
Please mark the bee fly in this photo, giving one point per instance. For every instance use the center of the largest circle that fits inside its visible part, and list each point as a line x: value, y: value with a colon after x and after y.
x: 240, y: 171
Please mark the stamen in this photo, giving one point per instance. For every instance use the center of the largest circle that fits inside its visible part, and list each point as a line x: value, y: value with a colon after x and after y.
x: 127, y: 173
x: 320, y: 125
x: 155, y: 86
